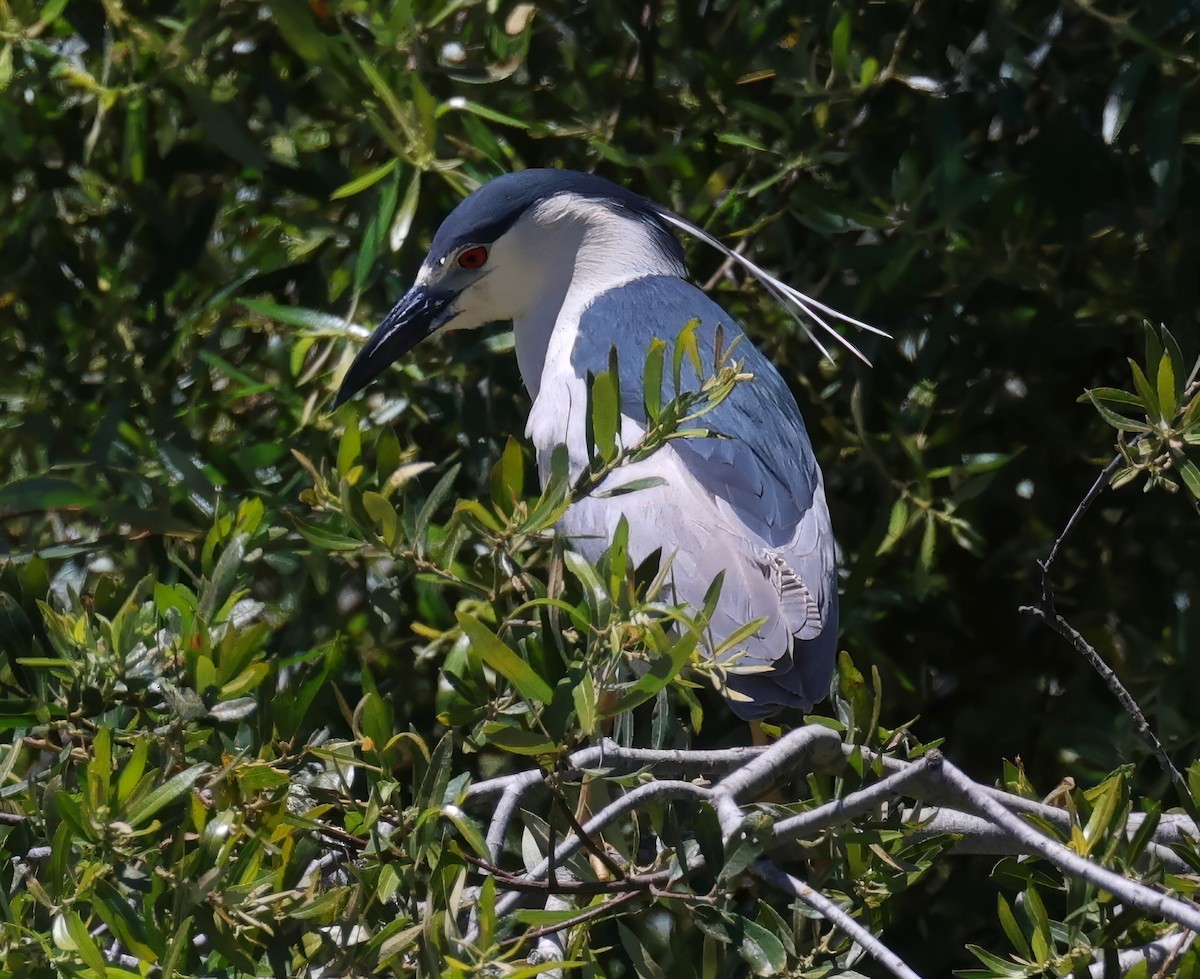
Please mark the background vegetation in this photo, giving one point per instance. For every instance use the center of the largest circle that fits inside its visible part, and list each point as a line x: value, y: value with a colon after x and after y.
x: 224, y: 609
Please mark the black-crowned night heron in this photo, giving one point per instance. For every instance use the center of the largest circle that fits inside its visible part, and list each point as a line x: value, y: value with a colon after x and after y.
x: 580, y: 265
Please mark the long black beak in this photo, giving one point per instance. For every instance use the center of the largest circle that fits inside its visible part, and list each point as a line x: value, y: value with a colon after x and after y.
x: 411, y: 320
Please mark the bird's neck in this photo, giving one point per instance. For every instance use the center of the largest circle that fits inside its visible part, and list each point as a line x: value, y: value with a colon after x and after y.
x: 584, y: 249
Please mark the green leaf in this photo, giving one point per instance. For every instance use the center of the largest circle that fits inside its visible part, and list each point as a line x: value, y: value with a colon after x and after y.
x: 1178, y: 364
x: 605, y: 413
x: 372, y: 239
x: 761, y: 949
x: 174, y: 788
x: 685, y: 346
x: 488, y: 647
x: 1012, y: 930
x: 435, y: 499
x: 662, y: 671
x: 1113, y: 396
x: 315, y: 322
x: 998, y: 966
x: 1034, y: 910
x: 299, y: 29
x: 1119, y: 422
x: 45, y: 493
x: 78, y: 939
x: 745, y: 845
x: 322, y: 538
x: 1149, y: 398
x: 381, y: 511
x: 633, y: 486
x: 478, y: 511
x: 1106, y: 800
x: 1121, y: 94
x: 368, y: 179
x: 349, y: 448
x: 897, y: 521
x: 99, y: 769
x: 468, y: 830
x: 508, y: 476
x: 483, y: 111
x: 1167, y: 388
x: 518, y: 740
x: 840, y: 43
x: 652, y: 378
x: 1189, y: 473
x: 402, y: 224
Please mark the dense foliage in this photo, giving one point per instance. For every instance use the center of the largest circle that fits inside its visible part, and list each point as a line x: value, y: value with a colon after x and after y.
x: 252, y: 646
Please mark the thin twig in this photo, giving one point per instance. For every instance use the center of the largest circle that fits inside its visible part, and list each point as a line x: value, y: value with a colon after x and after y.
x: 590, y: 914
x: 593, y: 847
x: 1054, y: 619
x: 834, y: 913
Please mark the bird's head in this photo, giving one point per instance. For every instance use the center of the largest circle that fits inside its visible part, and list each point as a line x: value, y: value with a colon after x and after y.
x: 519, y: 242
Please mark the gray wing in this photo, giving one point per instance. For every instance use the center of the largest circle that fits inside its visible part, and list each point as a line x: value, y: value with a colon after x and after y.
x: 763, y: 475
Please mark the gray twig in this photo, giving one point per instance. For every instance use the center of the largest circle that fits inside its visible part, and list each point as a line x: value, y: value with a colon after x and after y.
x: 1051, y: 616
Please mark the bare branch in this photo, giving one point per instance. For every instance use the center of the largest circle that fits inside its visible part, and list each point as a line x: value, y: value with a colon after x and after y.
x: 1051, y: 616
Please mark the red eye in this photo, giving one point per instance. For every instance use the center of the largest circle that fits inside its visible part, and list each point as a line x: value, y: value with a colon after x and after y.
x: 473, y: 257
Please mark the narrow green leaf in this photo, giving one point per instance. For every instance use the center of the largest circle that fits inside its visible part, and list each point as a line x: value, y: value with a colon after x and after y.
x: 1119, y: 422
x: 652, y: 378
x: 478, y: 511
x: 1144, y: 390
x: 165, y: 794
x: 1106, y: 798
x: 324, y: 539
x: 1189, y: 473
x: 1012, y: 930
x: 1113, y: 396
x: 508, y: 476
x: 897, y: 521
x: 1154, y: 350
x: 312, y: 320
x: 45, y: 493
x: 349, y: 448
x: 84, y: 944
x: 740, y: 635
x: 133, y: 770
x: 998, y: 966
x: 645, y: 482
x: 483, y: 111
x: 1042, y: 940
x: 518, y: 740
x: 840, y: 44
x: 402, y: 224
x: 368, y: 179
x: 486, y: 645
x: 1167, y: 388
x: 685, y: 346
x: 929, y: 541
x: 99, y: 769
x: 381, y: 511
x: 1178, y: 364
x: 606, y: 414
x: 440, y: 492
x: 662, y: 671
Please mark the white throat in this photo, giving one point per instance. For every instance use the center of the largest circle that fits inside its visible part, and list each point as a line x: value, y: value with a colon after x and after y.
x: 567, y: 251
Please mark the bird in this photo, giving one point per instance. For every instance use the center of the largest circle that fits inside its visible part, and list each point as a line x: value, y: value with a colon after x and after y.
x: 581, y: 265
